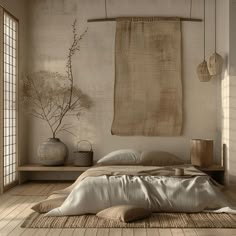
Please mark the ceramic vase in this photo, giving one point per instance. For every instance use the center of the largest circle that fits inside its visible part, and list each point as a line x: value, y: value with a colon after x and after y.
x: 52, y: 152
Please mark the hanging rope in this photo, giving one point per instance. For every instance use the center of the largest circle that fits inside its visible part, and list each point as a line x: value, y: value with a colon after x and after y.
x: 106, y: 8
x: 204, y: 28
x: 190, y: 13
x: 215, y: 26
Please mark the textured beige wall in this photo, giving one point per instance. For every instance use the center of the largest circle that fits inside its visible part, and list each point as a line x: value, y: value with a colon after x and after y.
x: 49, y: 38
x: 223, y: 49
x: 226, y: 46
x: 231, y: 162
x: 232, y: 94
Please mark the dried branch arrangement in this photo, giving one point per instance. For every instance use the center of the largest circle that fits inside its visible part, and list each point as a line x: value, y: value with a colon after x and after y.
x: 52, y: 97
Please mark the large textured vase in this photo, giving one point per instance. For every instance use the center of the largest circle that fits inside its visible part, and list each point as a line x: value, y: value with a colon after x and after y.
x: 52, y: 152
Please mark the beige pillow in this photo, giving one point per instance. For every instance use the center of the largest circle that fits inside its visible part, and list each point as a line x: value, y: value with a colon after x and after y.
x: 124, y: 213
x: 121, y: 157
x: 159, y: 158
x: 50, y: 203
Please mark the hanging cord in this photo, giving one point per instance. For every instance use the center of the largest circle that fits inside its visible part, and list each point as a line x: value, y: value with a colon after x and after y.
x: 215, y: 26
x: 204, y: 29
x: 190, y: 12
x: 106, y: 8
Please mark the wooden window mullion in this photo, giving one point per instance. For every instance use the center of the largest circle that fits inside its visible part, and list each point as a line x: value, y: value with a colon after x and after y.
x: 1, y: 100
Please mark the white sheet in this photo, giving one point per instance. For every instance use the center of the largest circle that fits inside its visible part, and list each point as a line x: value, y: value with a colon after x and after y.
x: 158, y: 193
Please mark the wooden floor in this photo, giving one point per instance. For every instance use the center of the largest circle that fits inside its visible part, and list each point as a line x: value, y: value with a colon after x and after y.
x: 15, y: 207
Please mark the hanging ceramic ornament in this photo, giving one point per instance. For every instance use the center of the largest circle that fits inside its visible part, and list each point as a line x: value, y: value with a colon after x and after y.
x: 202, y: 69
x: 216, y: 61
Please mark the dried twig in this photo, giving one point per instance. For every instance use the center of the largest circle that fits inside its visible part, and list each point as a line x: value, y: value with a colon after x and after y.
x: 52, y: 96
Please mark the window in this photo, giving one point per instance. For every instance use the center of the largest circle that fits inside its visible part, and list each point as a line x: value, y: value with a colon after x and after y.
x: 9, y: 35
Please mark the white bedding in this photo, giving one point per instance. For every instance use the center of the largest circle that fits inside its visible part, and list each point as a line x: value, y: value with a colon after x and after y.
x: 158, y: 193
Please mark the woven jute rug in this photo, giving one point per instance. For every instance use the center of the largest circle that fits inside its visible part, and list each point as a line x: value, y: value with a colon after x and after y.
x: 159, y: 220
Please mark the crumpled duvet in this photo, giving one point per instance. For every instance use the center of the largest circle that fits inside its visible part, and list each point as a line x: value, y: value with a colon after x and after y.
x: 91, y: 194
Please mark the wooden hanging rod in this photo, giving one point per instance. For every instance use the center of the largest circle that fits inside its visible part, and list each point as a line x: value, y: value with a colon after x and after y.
x: 114, y: 19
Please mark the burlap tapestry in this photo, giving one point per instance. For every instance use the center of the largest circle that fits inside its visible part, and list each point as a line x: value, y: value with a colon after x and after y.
x: 148, y: 84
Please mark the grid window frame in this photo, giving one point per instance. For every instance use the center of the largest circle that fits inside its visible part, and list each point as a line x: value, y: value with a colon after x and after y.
x: 10, y: 96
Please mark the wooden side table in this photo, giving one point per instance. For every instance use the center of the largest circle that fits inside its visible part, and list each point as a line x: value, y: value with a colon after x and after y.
x: 215, y: 171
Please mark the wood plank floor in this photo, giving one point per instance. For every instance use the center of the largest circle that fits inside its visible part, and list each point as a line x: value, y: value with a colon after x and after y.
x: 15, y: 207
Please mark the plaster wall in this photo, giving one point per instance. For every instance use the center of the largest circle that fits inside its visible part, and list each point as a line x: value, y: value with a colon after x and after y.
x: 48, y: 42
x: 46, y: 36
x: 231, y: 161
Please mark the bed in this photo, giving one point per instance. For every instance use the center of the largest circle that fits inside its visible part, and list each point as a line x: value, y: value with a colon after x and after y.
x: 143, y: 181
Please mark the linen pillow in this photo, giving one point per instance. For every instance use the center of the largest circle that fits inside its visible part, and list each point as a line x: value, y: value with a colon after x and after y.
x: 124, y: 213
x: 121, y: 157
x: 159, y: 158
x: 49, y: 204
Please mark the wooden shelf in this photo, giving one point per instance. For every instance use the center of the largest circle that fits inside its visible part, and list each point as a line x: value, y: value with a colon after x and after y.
x: 212, y: 168
x: 38, y: 167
